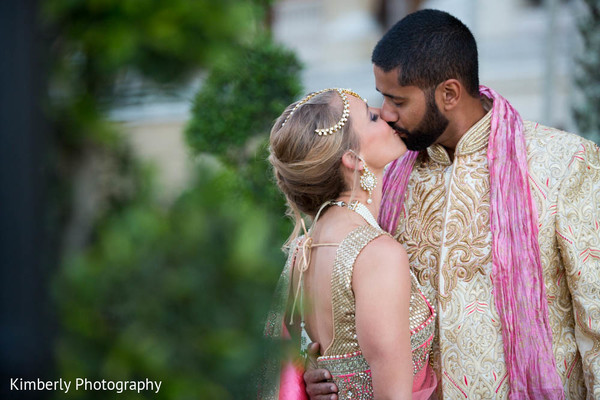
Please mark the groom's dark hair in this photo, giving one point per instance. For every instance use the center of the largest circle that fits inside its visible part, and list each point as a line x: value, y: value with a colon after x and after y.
x: 428, y: 47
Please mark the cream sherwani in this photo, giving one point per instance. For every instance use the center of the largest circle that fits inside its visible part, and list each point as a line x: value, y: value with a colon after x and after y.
x: 445, y: 228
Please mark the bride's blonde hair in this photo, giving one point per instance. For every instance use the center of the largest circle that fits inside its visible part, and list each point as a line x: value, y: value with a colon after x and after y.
x: 307, y: 166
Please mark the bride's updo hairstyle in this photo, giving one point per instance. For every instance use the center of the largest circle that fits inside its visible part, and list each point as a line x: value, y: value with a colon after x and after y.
x: 307, y: 144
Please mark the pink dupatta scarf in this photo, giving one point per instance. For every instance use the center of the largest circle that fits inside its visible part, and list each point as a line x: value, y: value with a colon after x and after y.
x: 519, y: 290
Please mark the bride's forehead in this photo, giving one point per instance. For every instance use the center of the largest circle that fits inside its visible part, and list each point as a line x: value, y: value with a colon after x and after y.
x: 357, y: 104
x: 356, y: 96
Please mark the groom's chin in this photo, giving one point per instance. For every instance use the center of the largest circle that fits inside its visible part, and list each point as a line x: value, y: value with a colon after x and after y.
x: 414, y: 146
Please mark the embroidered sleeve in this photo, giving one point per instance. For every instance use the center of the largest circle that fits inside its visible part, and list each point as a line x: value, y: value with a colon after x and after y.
x: 578, y: 235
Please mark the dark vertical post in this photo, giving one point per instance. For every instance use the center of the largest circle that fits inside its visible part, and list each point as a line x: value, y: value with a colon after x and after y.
x: 25, y: 261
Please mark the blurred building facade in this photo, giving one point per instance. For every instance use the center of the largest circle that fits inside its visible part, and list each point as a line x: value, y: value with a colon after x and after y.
x: 526, y: 48
x: 526, y: 53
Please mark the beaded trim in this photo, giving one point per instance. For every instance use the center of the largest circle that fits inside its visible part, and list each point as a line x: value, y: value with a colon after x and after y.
x: 345, y: 112
x: 344, y: 364
x: 428, y: 320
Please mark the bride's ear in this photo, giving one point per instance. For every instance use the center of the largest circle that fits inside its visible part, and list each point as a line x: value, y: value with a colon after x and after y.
x: 351, y: 161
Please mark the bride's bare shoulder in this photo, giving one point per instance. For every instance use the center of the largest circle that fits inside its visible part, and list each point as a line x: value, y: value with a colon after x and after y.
x: 383, y: 253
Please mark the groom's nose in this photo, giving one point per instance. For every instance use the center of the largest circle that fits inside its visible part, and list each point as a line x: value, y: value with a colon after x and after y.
x: 388, y: 112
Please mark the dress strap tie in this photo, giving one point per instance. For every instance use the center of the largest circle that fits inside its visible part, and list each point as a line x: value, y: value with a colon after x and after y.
x: 307, y: 246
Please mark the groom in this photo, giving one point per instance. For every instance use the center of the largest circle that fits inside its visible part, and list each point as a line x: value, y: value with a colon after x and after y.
x: 500, y: 218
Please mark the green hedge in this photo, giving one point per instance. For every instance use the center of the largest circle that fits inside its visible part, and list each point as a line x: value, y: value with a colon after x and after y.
x: 174, y: 293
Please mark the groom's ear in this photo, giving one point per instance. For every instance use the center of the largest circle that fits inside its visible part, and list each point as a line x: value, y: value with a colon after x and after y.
x: 449, y: 94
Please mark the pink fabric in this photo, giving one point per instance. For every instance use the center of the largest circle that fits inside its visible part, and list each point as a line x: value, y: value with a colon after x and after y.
x: 291, y: 380
x: 519, y: 291
x: 424, y: 383
x: 291, y: 384
x: 395, y: 181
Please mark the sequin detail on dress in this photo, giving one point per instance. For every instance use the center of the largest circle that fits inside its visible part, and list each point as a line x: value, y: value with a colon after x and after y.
x: 350, y: 371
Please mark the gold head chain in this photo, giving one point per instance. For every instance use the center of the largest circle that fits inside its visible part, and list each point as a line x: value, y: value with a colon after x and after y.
x: 345, y: 112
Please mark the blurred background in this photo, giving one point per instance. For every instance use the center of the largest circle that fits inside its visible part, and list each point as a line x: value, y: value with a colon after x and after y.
x: 141, y: 231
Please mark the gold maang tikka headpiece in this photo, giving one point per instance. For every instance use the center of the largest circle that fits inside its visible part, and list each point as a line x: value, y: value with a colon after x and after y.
x: 345, y: 112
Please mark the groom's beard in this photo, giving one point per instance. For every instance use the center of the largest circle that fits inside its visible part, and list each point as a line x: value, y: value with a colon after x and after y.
x: 428, y: 131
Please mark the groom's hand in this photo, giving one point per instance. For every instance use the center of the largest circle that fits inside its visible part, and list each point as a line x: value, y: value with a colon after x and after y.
x: 317, y: 385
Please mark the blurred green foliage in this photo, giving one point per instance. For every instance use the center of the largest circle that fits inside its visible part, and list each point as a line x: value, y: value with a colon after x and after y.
x: 235, y: 109
x: 96, y: 42
x: 94, y: 46
x: 240, y: 99
x: 161, y: 39
x: 176, y: 293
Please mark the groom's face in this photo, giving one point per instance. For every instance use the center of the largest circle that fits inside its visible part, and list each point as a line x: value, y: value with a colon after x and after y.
x: 411, y: 111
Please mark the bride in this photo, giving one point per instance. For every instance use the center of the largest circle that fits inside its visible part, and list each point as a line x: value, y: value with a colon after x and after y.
x: 347, y: 283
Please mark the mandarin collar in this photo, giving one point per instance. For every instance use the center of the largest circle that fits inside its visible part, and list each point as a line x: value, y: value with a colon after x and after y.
x: 474, y: 140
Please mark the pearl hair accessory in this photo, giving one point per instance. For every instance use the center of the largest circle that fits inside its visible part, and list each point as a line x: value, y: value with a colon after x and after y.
x: 345, y: 112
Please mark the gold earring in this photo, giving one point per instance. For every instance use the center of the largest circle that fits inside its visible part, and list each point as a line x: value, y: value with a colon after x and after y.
x: 368, y: 181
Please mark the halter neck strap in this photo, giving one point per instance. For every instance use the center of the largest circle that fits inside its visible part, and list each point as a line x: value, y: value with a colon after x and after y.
x: 307, y: 245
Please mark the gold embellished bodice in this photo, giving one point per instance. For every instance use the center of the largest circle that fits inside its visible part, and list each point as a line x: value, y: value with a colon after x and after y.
x: 343, y: 358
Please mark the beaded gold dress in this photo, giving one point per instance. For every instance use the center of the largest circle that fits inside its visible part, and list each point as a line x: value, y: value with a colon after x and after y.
x: 343, y: 358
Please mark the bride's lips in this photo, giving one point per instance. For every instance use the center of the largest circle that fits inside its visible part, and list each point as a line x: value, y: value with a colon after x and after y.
x: 399, y: 131
x: 401, y: 134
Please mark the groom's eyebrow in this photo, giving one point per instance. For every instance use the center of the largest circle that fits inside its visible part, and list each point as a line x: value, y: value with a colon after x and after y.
x: 391, y: 96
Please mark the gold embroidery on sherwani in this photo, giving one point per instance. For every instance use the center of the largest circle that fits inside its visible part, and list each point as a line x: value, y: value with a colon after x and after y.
x: 466, y: 241
x: 578, y: 231
x: 567, y: 197
x: 445, y: 229
x: 467, y: 211
x: 457, y: 244
x: 421, y: 233
x: 476, y: 139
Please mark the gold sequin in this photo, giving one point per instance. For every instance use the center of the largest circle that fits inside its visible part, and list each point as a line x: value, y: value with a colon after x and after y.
x: 344, y: 359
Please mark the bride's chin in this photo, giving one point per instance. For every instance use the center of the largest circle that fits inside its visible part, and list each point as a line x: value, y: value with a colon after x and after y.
x: 402, y: 151
x: 399, y: 155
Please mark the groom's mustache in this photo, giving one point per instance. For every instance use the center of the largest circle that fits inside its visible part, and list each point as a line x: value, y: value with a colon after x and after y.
x: 399, y: 130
